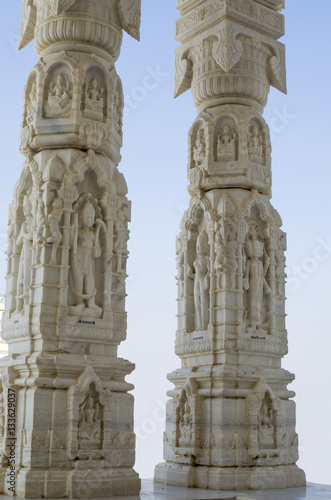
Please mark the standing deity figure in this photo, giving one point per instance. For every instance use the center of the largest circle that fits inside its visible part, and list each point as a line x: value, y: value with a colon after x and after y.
x: 24, y: 240
x: 180, y: 259
x: 199, y: 150
x: 255, y: 144
x: 121, y: 237
x: 32, y: 103
x: 85, y: 248
x: 225, y: 261
x: 226, y: 144
x: 254, y: 278
x: 38, y: 236
x: 201, y: 282
x: 59, y: 99
x: 54, y: 219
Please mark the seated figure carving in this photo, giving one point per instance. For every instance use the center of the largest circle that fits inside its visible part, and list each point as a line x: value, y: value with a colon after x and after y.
x: 255, y: 145
x: 94, y: 100
x: 226, y: 144
x: 59, y: 97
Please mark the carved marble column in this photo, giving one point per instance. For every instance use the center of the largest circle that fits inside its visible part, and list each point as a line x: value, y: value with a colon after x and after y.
x: 67, y: 250
x: 230, y: 420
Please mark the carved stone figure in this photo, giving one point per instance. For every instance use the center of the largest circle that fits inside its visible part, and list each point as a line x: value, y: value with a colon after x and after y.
x: 201, y: 282
x: 59, y: 97
x: 121, y: 237
x: 257, y: 265
x: 85, y: 248
x: 199, y: 149
x: 180, y: 259
x: 89, y: 426
x: 39, y: 232
x: 94, y: 100
x: 25, y: 241
x: 266, y: 424
x: 225, y: 261
x: 226, y: 144
x: 54, y: 219
x: 255, y: 144
x: 31, y: 103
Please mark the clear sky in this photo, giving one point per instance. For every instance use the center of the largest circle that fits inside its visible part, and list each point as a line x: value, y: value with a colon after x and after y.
x: 154, y: 164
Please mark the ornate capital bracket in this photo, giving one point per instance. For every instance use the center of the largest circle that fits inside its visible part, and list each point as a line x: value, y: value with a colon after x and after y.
x: 130, y: 14
x: 227, y: 50
x: 28, y: 23
x: 278, y: 69
x: 183, y: 74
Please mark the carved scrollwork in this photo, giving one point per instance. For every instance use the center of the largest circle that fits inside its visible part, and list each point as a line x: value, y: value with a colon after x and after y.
x: 28, y: 23
x: 130, y: 14
x: 227, y: 50
x: 278, y: 69
x: 183, y: 74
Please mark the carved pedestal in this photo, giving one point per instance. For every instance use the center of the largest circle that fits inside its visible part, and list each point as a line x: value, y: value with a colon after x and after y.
x: 67, y: 417
x: 230, y: 421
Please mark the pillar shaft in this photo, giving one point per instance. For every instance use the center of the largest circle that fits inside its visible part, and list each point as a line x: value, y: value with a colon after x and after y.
x: 230, y: 420
x: 67, y: 250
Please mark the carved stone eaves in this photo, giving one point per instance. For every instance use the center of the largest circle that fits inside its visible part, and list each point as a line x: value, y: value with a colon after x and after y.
x: 260, y: 15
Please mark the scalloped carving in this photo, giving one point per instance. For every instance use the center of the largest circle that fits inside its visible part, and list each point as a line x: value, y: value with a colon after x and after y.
x: 228, y: 50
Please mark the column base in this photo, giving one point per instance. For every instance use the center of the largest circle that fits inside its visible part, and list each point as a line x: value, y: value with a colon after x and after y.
x: 73, y: 484
x: 230, y: 478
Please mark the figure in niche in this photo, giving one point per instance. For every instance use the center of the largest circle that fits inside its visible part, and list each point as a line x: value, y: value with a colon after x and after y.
x: 24, y: 240
x: 85, y: 248
x: 280, y: 272
x: 199, y: 150
x: 31, y: 103
x: 201, y: 282
x: 94, y: 100
x: 121, y: 237
x: 180, y: 260
x: 59, y: 97
x: 39, y: 233
x: 266, y: 423
x: 185, y: 421
x: 226, y: 144
x: 255, y: 145
x: 89, y: 426
x: 54, y: 219
x: 257, y: 265
x: 117, y: 112
x: 225, y: 261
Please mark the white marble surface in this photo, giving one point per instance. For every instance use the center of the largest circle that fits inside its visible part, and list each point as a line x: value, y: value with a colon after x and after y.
x: 154, y: 491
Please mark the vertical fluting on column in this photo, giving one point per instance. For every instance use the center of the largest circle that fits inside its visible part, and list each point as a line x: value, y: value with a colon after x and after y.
x: 230, y: 420
x: 72, y: 416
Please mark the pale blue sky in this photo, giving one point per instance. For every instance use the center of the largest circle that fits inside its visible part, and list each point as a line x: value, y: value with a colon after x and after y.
x: 154, y: 164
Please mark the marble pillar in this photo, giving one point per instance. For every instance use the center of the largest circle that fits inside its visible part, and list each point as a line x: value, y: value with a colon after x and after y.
x: 231, y: 419
x: 66, y: 414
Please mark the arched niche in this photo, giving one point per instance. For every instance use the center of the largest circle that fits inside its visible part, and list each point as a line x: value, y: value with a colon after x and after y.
x: 257, y: 291
x: 198, y: 144
x: 257, y: 141
x: 94, y: 103
x: 226, y: 140
x: 58, y: 91
x: 30, y: 99
x: 198, y: 269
